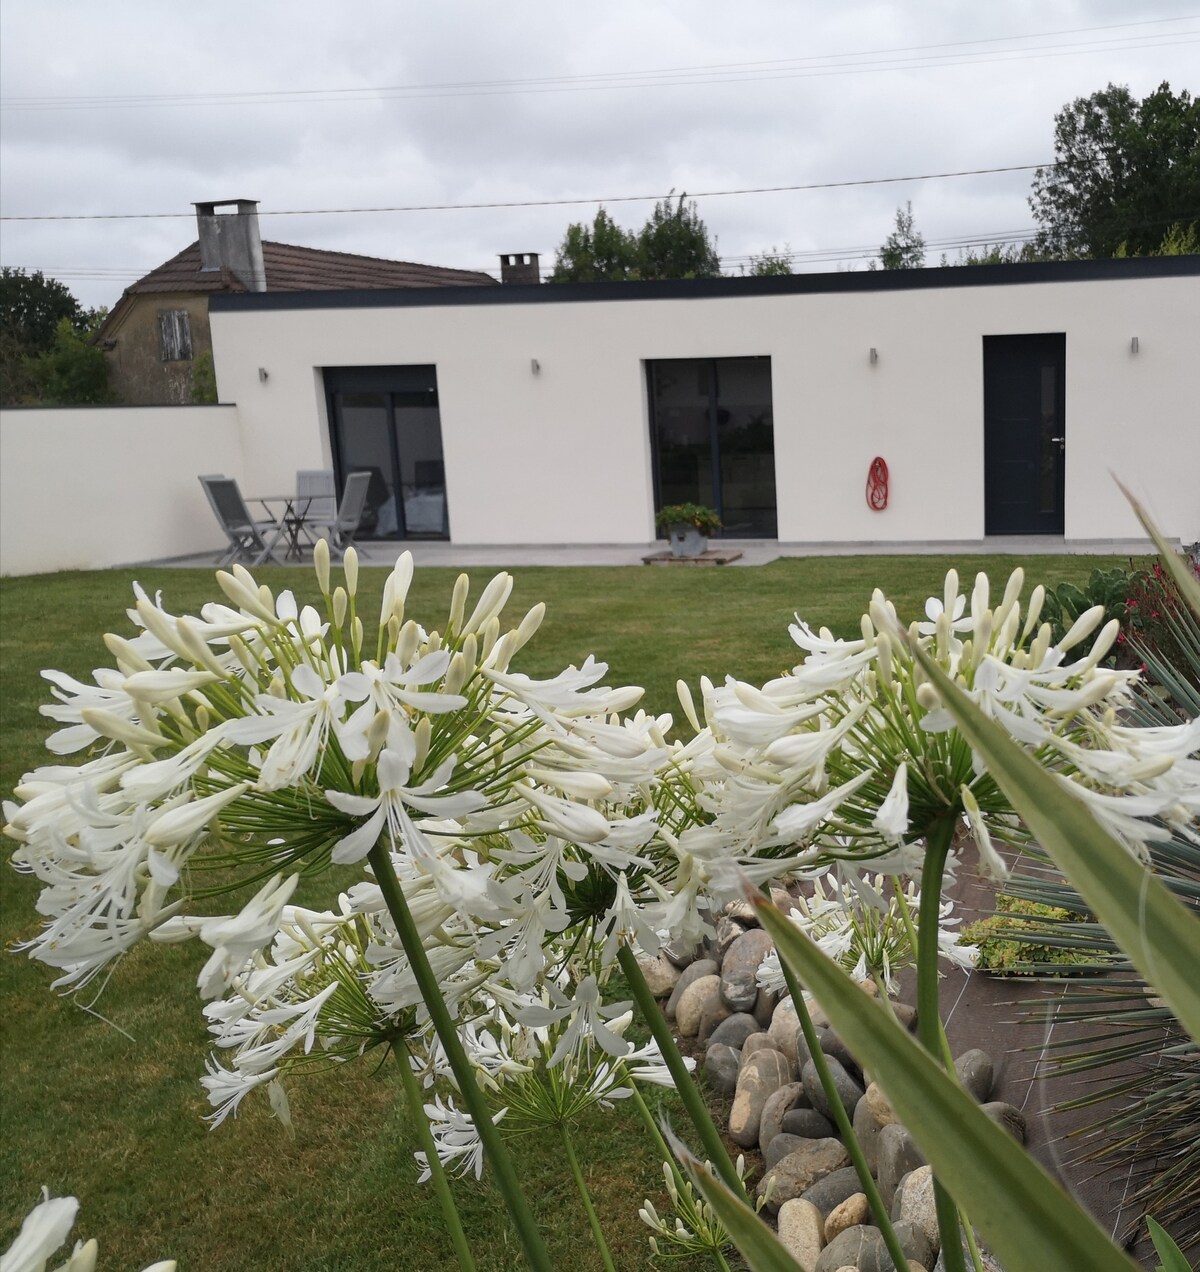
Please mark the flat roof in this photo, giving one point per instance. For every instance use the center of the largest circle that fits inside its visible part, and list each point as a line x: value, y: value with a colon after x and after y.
x: 879, y: 280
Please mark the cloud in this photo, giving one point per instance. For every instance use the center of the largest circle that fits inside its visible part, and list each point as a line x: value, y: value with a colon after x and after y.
x: 746, y: 118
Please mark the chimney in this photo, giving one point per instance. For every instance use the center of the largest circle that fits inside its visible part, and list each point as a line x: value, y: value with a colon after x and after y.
x: 519, y: 267
x: 232, y: 241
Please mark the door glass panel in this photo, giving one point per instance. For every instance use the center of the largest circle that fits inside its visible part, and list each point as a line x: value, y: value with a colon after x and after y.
x: 746, y: 439
x: 714, y: 440
x: 363, y: 422
x: 422, y: 472
x: 683, y: 431
x: 385, y: 420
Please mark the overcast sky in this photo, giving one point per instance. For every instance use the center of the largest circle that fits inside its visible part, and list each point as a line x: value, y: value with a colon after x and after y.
x: 147, y: 107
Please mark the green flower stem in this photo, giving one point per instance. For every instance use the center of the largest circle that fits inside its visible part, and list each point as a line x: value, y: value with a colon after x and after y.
x: 497, y: 1155
x: 581, y: 1184
x: 651, y: 1126
x: 882, y: 1219
x: 947, y: 1061
x: 689, y: 1093
x: 929, y: 1021
x: 656, y: 1135
x: 441, y: 1185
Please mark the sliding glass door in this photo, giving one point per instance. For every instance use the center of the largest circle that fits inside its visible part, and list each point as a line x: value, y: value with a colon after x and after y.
x: 385, y: 421
x: 713, y: 439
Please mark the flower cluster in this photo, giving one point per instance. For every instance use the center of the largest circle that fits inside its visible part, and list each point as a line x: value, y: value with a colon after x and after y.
x: 263, y: 740
x: 851, y: 755
x: 865, y: 924
x: 533, y: 826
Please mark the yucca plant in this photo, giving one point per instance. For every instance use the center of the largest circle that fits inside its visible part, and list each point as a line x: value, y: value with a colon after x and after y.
x: 1139, y: 1067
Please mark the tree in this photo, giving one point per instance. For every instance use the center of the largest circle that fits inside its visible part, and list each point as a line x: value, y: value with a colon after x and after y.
x: 904, y: 247
x: 994, y: 254
x: 673, y: 243
x: 46, y: 353
x: 771, y: 263
x: 72, y: 372
x: 31, y: 307
x: 1125, y: 172
x: 605, y: 253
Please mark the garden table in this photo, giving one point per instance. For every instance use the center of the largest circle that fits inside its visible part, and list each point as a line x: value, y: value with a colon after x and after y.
x: 288, y: 512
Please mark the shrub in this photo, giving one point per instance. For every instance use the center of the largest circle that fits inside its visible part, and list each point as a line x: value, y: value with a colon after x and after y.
x: 705, y: 519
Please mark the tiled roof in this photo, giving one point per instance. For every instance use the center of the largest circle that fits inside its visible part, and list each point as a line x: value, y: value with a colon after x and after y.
x: 291, y: 268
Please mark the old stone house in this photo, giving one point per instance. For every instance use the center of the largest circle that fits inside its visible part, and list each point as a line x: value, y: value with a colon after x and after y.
x: 158, y: 332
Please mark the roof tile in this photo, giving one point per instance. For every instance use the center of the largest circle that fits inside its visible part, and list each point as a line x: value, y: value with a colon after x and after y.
x: 292, y: 268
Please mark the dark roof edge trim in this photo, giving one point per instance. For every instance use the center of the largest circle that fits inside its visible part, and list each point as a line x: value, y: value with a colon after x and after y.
x: 683, y: 289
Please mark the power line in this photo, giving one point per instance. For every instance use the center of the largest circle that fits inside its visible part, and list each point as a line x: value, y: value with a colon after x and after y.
x: 541, y: 203
x: 709, y: 73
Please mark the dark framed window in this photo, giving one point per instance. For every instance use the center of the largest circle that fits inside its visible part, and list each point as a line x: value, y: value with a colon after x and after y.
x: 174, y: 335
x: 386, y: 421
x: 713, y: 439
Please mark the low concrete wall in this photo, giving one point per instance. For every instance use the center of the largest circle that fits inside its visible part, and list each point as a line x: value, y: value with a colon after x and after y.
x: 92, y: 487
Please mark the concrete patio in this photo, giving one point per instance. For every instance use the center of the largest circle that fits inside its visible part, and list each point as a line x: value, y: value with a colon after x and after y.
x: 753, y: 551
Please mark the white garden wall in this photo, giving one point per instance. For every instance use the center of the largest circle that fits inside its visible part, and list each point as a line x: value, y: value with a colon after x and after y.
x: 90, y: 487
x: 563, y: 455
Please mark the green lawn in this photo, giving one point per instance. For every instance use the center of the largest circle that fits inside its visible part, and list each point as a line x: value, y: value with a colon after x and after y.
x: 101, y: 1099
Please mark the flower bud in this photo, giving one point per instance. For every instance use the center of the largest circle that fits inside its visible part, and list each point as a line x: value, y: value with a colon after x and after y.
x: 458, y: 604
x: 1082, y: 627
x: 128, y: 658
x: 422, y: 735
x: 493, y: 600
x: 685, y: 701
x: 321, y: 565
x: 406, y: 643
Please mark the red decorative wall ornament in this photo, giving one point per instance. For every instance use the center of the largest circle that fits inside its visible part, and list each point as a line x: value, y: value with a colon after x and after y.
x: 877, y: 484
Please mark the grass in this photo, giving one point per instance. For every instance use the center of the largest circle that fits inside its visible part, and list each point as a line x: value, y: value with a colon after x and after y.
x: 105, y: 1104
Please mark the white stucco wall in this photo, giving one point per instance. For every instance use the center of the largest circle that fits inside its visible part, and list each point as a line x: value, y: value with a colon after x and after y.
x: 563, y: 456
x: 90, y: 487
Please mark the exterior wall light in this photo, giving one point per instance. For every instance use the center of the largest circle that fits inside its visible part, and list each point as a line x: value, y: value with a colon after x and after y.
x: 1133, y: 345
x: 535, y: 366
x: 263, y: 374
x: 874, y: 355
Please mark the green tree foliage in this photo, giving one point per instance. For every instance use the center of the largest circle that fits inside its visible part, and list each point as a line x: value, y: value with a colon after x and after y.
x: 771, y: 263
x: 1127, y: 173
x: 994, y: 254
x: 904, y: 247
x: 601, y: 253
x: 673, y: 243
x: 31, y: 307
x: 46, y: 357
x: 72, y: 372
x: 204, y: 380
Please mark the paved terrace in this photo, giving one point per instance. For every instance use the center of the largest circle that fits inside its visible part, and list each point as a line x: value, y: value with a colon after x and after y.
x: 754, y: 551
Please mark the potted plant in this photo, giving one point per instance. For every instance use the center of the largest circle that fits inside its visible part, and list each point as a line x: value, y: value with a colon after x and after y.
x: 688, y: 526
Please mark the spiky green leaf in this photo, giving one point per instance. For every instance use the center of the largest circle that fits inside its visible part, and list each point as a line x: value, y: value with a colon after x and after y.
x: 1025, y: 1216
x: 1152, y: 927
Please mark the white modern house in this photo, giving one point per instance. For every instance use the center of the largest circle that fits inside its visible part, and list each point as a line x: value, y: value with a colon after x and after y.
x: 1000, y: 398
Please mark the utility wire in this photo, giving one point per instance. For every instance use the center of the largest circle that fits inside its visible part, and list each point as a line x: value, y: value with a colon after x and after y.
x: 731, y: 72
x: 541, y: 203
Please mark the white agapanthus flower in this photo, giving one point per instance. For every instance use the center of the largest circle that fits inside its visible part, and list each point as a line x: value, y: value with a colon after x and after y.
x: 45, y: 1230
x: 852, y: 755
x: 856, y: 920
x: 260, y: 739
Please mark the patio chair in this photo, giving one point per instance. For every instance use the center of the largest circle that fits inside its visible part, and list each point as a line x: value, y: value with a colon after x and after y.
x: 316, y: 499
x: 249, y: 539
x: 341, y: 527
